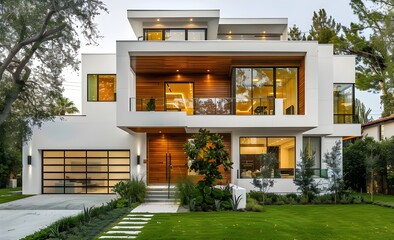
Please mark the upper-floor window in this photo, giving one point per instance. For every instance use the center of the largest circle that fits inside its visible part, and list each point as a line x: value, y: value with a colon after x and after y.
x: 343, y: 102
x: 101, y: 87
x: 176, y: 34
x: 256, y: 88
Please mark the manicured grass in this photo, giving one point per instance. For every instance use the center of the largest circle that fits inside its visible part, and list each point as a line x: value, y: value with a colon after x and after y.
x: 7, y: 195
x: 361, y: 221
x: 379, y: 197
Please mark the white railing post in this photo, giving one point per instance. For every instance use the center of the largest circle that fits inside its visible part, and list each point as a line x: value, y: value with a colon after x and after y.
x: 279, y: 106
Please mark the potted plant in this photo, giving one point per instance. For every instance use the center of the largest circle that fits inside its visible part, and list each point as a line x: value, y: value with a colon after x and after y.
x: 151, y: 105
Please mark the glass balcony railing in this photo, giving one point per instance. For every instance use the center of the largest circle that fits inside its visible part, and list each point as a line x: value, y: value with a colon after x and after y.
x: 206, y: 106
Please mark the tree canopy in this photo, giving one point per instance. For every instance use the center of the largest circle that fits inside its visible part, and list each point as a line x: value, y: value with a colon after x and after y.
x: 371, y: 40
x: 38, y: 39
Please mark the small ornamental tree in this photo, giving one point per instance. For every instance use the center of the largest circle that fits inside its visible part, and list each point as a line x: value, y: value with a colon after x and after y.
x: 207, y: 152
x: 304, y: 176
x: 333, y: 160
x: 264, y: 180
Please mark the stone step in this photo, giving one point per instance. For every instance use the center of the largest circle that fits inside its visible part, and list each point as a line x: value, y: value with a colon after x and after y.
x: 136, y: 218
x: 132, y: 223
x: 123, y: 232
x: 140, y: 215
x: 118, y: 237
x: 160, y: 200
x: 128, y: 227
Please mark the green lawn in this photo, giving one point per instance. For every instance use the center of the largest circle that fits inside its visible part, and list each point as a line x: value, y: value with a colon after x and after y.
x: 7, y: 195
x: 379, y: 197
x: 362, y: 221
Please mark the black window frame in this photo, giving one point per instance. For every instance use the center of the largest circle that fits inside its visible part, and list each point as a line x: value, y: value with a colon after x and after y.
x: 344, y: 115
x: 267, y: 137
x: 321, y: 159
x: 274, y: 69
x: 98, y: 92
x: 164, y: 36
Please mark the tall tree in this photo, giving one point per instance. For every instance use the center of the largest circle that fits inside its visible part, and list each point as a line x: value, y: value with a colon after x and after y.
x: 64, y: 105
x: 324, y: 29
x: 295, y: 34
x: 371, y: 40
x: 38, y: 39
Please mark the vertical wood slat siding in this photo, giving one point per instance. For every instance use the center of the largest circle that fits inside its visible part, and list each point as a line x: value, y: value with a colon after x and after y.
x: 301, y: 89
x: 205, y: 86
x: 160, y: 144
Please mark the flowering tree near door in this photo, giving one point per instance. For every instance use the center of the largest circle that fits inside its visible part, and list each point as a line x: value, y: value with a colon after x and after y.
x: 207, y: 153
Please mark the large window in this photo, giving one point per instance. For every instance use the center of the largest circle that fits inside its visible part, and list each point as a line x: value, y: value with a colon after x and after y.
x: 83, y: 171
x: 343, y: 102
x: 176, y: 34
x: 253, y: 151
x: 101, y: 87
x: 312, y: 146
x: 256, y: 88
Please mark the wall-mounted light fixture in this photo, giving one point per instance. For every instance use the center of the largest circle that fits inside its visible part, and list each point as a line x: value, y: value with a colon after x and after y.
x: 138, y: 159
x: 29, y: 160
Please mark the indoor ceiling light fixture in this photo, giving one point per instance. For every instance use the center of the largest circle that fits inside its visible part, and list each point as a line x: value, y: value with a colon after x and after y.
x: 158, y: 19
x: 191, y: 19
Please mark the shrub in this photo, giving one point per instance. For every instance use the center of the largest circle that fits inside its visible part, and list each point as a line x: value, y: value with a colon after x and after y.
x: 253, y: 206
x: 133, y: 190
x: 184, y: 190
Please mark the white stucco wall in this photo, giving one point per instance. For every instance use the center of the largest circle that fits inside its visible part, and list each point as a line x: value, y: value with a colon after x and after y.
x: 93, y: 130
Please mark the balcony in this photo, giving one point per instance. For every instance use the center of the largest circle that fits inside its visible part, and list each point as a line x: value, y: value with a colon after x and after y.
x: 207, y: 106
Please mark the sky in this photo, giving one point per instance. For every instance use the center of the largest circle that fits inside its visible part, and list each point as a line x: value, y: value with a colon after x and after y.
x: 115, y: 26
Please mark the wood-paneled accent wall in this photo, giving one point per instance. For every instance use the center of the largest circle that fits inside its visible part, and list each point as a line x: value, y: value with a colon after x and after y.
x: 161, y: 144
x: 301, y: 89
x: 205, y: 86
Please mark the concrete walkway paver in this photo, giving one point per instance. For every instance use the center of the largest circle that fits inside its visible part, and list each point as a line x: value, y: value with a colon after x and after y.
x: 156, y: 208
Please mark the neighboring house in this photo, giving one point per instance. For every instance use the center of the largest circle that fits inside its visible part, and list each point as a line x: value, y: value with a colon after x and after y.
x: 379, y: 129
x: 191, y: 69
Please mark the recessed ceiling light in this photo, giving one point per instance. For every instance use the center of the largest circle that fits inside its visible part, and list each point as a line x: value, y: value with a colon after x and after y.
x: 158, y: 19
x: 177, y: 70
x: 191, y: 19
x: 208, y: 70
x: 159, y: 131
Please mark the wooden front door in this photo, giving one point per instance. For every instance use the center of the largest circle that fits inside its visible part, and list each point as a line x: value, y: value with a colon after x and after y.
x: 166, y: 158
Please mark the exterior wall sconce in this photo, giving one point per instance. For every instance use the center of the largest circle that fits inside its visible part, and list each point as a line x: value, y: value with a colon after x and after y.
x: 138, y: 159
x: 29, y: 160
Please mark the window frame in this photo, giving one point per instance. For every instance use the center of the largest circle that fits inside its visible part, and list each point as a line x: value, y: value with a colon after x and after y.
x: 274, y: 69
x: 320, y: 146
x: 164, y: 36
x: 98, y: 87
x: 353, y: 105
x: 267, y: 137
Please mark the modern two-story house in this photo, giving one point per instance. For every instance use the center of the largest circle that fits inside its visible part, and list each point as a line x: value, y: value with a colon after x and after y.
x: 191, y: 69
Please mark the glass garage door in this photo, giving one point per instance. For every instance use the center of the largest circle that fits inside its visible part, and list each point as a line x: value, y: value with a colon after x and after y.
x: 83, y: 171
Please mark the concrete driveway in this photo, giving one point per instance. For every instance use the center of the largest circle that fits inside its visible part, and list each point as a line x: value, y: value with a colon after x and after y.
x: 26, y: 216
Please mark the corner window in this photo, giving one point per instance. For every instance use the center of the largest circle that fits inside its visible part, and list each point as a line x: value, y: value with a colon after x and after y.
x: 343, y: 103
x: 101, y: 87
x: 312, y: 145
x: 254, y: 151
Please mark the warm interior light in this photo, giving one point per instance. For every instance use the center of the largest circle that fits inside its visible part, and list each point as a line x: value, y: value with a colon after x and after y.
x: 264, y: 32
x: 191, y: 19
x: 208, y: 70
x: 158, y: 19
x: 177, y: 70
x: 229, y: 32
